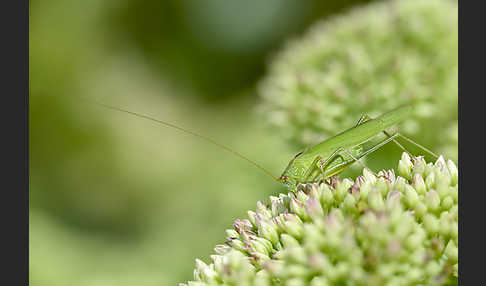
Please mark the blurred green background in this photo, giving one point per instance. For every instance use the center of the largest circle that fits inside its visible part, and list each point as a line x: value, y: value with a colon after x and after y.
x: 118, y: 200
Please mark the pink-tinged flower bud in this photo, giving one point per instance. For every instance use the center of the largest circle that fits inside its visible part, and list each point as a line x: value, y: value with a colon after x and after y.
x: 263, y: 210
x: 313, y: 208
x: 297, y: 207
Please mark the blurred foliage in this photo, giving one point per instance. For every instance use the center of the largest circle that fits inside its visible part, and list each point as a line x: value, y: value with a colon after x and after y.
x: 214, y: 47
x: 116, y: 200
x: 371, y: 59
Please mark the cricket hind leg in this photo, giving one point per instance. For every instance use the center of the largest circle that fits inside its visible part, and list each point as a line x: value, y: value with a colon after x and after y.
x: 365, y: 117
x: 417, y: 145
x: 371, y: 150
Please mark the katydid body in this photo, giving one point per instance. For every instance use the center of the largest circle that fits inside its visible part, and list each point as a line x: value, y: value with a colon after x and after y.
x: 333, y: 155
x: 329, y: 157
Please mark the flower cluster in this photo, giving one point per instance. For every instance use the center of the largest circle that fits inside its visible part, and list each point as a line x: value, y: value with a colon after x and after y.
x: 376, y: 230
x: 373, y: 59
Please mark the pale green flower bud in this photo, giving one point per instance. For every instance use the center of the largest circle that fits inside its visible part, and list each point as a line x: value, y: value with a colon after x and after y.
x: 316, y: 193
x: 365, y: 189
x: 302, y: 195
x: 420, y: 210
x: 453, y: 193
x: 289, y: 241
x: 433, y: 268
x: 418, y: 184
x: 413, y: 275
x: 446, y: 224
x: 451, y: 252
x: 400, y: 184
x: 263, y: 210
x: 405, y: 166
x: 429, y: 168
x: 419, y: 166
x: 257, y: 245
x: 349, y: 204
x: 415, y: 240
x: 431, y: 224
x: 375, y: 200
x: 432, y: 201
x: 268, y: 230
x: 221, y: 249
x: 454, y: 173
x: 411, y: 197
x: 237, y: 244
x: 231, y: 233
x: 454, y: 231
x: 430, y: 180
x: 277, y: 206
x: 342, y: 189
x: 327, y: 197
x: 275, y: 267
x: 293, y: 225
x: 393, y: 200
x: 252, y: 217
x: 382, y: 185
x: 369, y: 176
x: 318, y: 261
x: 262, y: 278
x: 203, y: 272
x: 218, y: 262
x: 447, y: 203
x: 296, y: 254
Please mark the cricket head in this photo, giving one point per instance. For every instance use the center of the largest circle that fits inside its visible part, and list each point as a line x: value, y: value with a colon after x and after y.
x: 291, y: 173
x: 287, y: 181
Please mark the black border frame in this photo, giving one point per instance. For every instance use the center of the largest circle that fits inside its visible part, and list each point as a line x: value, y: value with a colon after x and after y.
x: 14, y: 23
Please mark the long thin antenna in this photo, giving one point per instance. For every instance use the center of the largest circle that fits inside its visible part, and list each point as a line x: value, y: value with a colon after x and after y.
x: 185, y: 131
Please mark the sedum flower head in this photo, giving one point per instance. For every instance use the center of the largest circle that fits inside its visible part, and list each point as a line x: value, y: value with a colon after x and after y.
x: 373, y: 59
x: 375, y: 230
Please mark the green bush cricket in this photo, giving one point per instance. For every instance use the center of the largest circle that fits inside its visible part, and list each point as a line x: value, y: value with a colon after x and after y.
x: 329, y: 157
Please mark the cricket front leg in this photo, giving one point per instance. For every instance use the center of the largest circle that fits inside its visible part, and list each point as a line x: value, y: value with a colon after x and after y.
x: 321, y: 164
